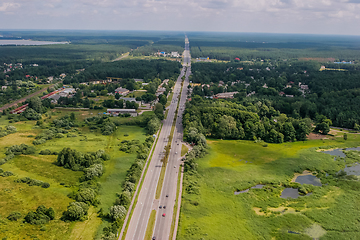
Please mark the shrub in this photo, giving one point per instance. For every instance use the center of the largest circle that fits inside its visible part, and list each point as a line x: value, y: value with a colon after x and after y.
x: 117, y: 212
x: 14, y: 216
x: 41, y: 216
x: 6, y: 174
x: 76, y: 211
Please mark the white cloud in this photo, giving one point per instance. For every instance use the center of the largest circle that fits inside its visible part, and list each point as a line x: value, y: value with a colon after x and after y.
x: 6, y: 6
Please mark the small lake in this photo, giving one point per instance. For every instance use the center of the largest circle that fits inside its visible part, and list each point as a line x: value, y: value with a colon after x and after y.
x: 339, y: 151
x: 354, y: 170
x: 23, y: 42
x: 309, y: 179
x: 291, y: 193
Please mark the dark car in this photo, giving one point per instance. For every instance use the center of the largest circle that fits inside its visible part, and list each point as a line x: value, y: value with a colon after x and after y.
x: 167, y: 195
x: 154, y: 238
x: 160, y: 206
x: 164, y: 207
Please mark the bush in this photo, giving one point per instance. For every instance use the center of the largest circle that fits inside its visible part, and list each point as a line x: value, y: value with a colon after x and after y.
x: 41, y: 216
x: 117, y: 212
x: 86, y: 195
x: 6, y: 174
x: 76, y: 211
x: 14, y: 216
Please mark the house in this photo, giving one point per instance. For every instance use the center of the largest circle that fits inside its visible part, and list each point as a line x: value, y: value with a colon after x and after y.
x: 265, y: 86
x: 50, y: 79
x: 122, y: 91
x: 304, y: 87
x: 225, y: 95
x: 62, y: 75
x: 175, y: 54
x: 116, y: 112
x: 54, y: 98
x: 290, y: 96
x: 160, y: 91
x: 138, y: 80
x: 3, y: 87
x: 281, y: 93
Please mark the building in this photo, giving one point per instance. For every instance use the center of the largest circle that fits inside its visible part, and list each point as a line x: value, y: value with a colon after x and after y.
x: 175, y: 54
x: 160, y: 91
x: 225, y: 95
x: 138, y: 80
x: 116, y: 112
x: 62, y: 75
x: 304, y: 87
x: 122, y: 91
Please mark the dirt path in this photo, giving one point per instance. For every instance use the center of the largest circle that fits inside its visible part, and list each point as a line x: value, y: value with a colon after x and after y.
x: 16, y: 102
x: 119, y: 58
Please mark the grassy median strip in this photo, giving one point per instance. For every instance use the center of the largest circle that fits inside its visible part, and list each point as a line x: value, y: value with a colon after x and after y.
x: 165, y: 160
x: 167, y: 151
x: 175, y: 206
x: 169, y: 99
x: 142, y: 181
x: 150, y: 226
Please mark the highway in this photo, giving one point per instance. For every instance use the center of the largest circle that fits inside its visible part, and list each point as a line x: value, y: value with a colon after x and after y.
x: 146, y: 200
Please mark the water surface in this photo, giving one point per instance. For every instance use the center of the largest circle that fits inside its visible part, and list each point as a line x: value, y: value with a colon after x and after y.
x: 308, y: 179
x: 24, y: 42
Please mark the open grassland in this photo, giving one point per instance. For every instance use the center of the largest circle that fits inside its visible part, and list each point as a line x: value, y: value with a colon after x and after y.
x: 210, y: 210
x: 24, y: 198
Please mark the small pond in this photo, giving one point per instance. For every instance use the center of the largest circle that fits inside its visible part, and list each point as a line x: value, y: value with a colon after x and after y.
x: 354, y: 170
x: 259, y: 186
x: 339, y: 151
x: 291, y: 193
x: 309, y: 179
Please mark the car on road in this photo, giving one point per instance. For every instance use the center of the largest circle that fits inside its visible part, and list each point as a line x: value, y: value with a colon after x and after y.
x: 164, y: 215
x: 167, y: 195
x: 164, y: 207
x: 153, y: 238
x: 160, y: 206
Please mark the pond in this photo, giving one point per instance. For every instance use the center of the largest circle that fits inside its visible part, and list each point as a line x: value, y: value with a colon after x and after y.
x: 338, y: 152
x: 308, y: 179
x: 291, y: 193
x: 28, y: 42
x: 354, y: 170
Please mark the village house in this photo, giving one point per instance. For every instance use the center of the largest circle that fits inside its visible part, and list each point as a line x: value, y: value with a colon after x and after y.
x: 225, y: 95
x: 122, y: 91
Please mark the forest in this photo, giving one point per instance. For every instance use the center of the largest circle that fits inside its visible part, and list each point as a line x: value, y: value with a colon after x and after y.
x: 330, y: 93
x: 144, y: 69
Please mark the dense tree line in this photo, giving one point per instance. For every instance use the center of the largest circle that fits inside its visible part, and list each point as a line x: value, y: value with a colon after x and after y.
x: 144, y: 69
x: 226, y: 120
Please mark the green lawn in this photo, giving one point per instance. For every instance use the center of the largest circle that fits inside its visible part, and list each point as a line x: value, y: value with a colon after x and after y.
x: 214, y: 212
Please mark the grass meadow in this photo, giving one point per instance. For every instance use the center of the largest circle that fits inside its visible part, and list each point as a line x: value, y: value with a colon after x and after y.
x: 23, y: 198
x: 215, y: 212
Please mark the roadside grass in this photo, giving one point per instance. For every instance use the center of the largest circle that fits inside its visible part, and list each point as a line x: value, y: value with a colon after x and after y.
x: 184, y: 149
x: 150, y: 226
x: 229, y: 166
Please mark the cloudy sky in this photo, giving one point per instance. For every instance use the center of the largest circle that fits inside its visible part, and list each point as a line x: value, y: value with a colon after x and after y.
x: 275, y: 16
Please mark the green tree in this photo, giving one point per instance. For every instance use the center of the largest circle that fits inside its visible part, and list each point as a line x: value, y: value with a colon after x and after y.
x: 117, y: 212
x: 345, y: 136
x: 227, y: 127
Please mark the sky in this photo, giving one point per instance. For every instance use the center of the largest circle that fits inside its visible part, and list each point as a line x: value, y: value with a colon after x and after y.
x: 340, y: 17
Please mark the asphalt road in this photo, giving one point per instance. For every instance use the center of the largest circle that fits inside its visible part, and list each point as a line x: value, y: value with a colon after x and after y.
x: 146, y: 200
x: 168, y: 193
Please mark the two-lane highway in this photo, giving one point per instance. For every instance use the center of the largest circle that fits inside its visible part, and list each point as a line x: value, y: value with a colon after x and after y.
x: 146, y: 200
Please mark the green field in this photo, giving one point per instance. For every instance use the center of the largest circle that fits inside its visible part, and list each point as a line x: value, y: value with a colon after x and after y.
x: 210, y: 210
x: 23, y: 198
